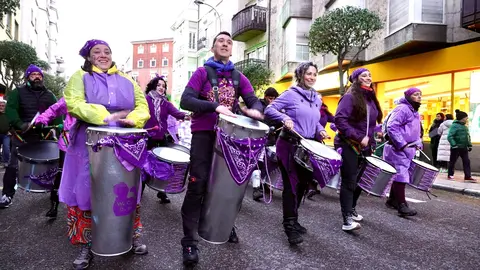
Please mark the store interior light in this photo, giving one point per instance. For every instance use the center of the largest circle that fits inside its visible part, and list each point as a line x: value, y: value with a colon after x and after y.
x: 399, y: 91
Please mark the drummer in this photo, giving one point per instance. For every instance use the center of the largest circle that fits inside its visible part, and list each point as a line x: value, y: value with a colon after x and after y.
x: 199, y: 98
x: 302, y: 114
x: 22, y: 105
x: 122, y: 103
x: 355, y: 137
x: 404, y: 136
x: 58, y: 109
x: 160, y: 109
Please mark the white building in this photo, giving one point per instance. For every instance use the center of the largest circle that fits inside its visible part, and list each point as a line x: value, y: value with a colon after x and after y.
x: 40, y: 30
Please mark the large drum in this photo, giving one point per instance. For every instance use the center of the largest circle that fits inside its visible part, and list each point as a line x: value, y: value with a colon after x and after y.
x: 179, y: 157
x: 375, y: 176
x: 114, y: 188
x: 37, y: 165
x: 224, y: 194
x: 422, y: 175
x: 328, y: 161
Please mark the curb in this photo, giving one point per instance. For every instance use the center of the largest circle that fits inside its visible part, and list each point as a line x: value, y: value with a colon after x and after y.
x: 464, y: 191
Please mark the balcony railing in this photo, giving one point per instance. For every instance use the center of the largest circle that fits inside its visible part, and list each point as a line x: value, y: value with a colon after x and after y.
x: 249, y: 22
x: 240, y: 65
x: 471, y: 15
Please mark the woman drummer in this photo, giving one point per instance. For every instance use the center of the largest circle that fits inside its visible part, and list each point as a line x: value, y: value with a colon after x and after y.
x: 96, y: 95
x: 356, y: 118
x: 160, y: 109
x: 404, y: 136
x: 301, y: 107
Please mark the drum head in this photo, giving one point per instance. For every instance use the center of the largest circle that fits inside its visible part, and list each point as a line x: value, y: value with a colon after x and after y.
x: 116, y: 130
x: 320, y: 149
x: 245, y: 122
x: 39, y: 152
x: 171, y: 155
x: 382, y: 164
x: 425, y: 165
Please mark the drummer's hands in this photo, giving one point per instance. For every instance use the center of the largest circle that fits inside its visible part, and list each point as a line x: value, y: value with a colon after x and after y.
x: 126, y: 122
x: 288, y: 124
x: 364, y: 141
x: 114, y: 117
x: 225, y: 111
x: 324, y: 135
x: 253, y: 114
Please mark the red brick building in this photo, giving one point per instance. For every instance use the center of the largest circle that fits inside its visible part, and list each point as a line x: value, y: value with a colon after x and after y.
x: 151, y: 57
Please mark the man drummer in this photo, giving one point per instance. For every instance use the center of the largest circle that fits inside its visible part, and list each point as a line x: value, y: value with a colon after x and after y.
x: 200, y: 98
x: 22, y: 105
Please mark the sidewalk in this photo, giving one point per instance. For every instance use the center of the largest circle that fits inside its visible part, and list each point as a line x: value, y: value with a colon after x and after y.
x: 458, y: 184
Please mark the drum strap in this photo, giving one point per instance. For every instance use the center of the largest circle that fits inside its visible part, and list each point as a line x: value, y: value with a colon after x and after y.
x: 213, y: 79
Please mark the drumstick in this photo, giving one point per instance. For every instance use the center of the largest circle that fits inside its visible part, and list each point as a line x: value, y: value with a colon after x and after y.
x: 152, y: 128
x: 425, y: 155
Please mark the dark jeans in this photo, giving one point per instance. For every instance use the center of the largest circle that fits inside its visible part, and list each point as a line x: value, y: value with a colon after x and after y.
x: 58, y: 177
x: 201, y: 156
x: 5, y: 141
x: 434, y: 147
x: 454, y: 154
x: 349, y: 171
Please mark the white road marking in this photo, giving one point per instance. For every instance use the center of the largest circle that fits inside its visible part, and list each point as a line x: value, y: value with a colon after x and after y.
x: 414, y: 200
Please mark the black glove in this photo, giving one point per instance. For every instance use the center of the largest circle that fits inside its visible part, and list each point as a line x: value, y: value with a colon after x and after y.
x: 469, y: 149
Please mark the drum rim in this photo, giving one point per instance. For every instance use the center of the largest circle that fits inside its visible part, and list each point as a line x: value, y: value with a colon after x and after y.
x: 30, y: 160
x: 421, y: 163
x: 262, y: 127
x: 169, y: 161
x: 339, y: 157
x: 111, y: 130
x: 375, y: 157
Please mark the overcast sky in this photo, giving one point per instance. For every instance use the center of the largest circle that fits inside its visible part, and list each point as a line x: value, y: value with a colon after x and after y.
x: 118, y: 22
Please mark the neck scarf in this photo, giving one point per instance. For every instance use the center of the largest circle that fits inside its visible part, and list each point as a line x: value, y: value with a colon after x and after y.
x: 157, y: 104
x: 219, y: 65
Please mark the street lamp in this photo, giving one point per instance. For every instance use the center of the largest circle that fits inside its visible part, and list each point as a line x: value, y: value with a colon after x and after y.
x: 201, y: 2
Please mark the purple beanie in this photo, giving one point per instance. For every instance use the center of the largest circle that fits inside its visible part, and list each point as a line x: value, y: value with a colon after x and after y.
x: 356, y: 73
x: 85, y: 51
x: 411, y: 91
x: 32, y: 68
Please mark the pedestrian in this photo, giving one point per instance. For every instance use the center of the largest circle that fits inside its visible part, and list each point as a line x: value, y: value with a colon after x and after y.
x: 435, y: 137
x: 443, y: 154
x: 4, y: 133
x: 460, y: 145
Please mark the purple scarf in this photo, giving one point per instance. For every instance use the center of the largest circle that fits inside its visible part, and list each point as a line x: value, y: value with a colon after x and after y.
x: 157, y: 104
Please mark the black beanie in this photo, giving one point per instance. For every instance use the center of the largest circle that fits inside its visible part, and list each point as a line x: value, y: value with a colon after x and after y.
x: 460, y: 115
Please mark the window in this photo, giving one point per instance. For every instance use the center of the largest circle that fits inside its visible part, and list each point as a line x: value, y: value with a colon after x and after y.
x: 164, y: 62
x: 140, y: 49
x: 140, y: 63
x: 16, y: 30
x: 9, y: 24
x: 165, y: 47
x: 153, y: 48
x: 164, y: 72
x: 153, y: 63
x: 302, y: 53
x: 192, y: 40
x: 190, y: 73
x: 262, y: 53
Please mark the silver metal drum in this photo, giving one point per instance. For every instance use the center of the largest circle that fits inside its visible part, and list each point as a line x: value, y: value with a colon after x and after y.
x: 114, y: 192
x: 37, y: 159
x: 224, y: 196
x: 376, y: 177
x: 335, y: 181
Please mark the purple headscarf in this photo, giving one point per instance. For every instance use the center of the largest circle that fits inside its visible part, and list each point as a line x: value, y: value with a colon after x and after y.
x: 85, y: 51
x: 411, y: 91
x: 356, y: 73
x: 32, y: 68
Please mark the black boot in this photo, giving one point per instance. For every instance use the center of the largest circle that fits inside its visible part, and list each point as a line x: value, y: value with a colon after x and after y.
x: 300, y: 229
x: 190, y: 256
x: 257, y: 194
x: 52, y: 213
x: 404, y: 210
x: 294, y: 237
x: 233, y: 236
x: 163, y: 197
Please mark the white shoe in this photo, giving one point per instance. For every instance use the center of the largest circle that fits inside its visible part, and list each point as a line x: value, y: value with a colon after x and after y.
x: 356, y: 216
x: 349, y: 224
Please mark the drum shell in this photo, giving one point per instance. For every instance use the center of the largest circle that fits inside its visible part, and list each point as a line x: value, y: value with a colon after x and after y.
x: 421, y: 178
x: 302, y: 158
x: 224, y: 196
x: 382, y: 179
x: 111, y: 233
x: 335, y: 182
x: 36, y: 165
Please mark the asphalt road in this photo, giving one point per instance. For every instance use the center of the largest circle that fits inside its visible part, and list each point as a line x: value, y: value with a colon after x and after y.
x: 444, y: 235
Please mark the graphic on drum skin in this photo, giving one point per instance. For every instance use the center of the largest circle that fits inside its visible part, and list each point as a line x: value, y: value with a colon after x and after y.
x: 123, y: 204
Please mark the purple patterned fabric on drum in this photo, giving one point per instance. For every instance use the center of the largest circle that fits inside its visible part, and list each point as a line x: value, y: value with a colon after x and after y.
x: 324, y: 169
x: 130, y: 150
x: 156, y: 168
x: 45, y: 179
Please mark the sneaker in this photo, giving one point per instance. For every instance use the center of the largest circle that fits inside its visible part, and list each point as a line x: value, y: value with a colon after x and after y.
x: 138, y: 247
x: 84, y: 258
x: 5, y: 201
x: 233, y: 236
x: 356, y: 216
x: 190, y: 255
x: 349, y: 224
x: 257, y: 194
x: 451, y: 177
x: 312, y: 193
x: 470, y: 179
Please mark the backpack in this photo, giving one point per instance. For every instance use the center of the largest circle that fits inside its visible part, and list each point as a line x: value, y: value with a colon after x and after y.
x: 213, y: 79
x: 384, y: 127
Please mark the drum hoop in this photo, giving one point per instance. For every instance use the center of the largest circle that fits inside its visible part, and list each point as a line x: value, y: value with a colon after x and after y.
x: 228, y: 119
x: 169, y: 161
x: 30, y: 160
x: 383, y: 170
x: 421, y: 164
x: 315, y: 154
x: 114, y: 132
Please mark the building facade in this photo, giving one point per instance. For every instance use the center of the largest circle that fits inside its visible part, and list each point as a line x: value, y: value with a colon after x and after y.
x: 151, y: 57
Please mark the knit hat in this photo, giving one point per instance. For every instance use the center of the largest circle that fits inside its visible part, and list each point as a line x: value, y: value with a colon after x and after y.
x: 411, y: 91
x: 356, y: 73
x: 32, y: 68
x: 460, y: 115
x: 85, y: 50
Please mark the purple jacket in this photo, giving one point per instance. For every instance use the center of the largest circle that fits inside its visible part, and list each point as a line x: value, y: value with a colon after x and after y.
x: 403, y: 127
x: 54, y: 111
x: 167, y: 109
x: 348, y: 127
x: 302, y: 107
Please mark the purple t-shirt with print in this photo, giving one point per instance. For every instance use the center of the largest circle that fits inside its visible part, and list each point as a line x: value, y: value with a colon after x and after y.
x: 226, y: 95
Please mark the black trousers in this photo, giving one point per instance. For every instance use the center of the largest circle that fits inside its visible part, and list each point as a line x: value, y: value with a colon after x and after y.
x: 454, y: 154
x: 201, y: 156
x: 58, y: 177
x: 349, y: 171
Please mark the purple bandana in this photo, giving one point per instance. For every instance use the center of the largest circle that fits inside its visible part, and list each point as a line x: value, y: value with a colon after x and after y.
x: 157, y: 104
x: 85, y: 51
x: 129, y: 150
x: 324, y: 169
x: 241, y: 155
x: 46, y: 179
x: 156, y: 168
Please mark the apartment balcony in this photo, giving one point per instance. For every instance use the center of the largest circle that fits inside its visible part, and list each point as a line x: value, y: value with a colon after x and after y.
x: 417, y: 37
x: 249, y: 23
x: 241, y: 65
x: 471, y: 15
x: 296, y: 9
